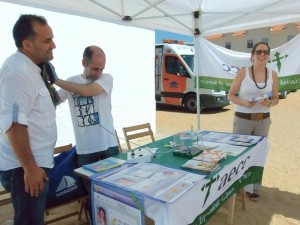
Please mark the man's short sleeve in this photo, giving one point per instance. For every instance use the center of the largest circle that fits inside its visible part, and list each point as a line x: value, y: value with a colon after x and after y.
x: 16, y: 101
x: 106, y: 82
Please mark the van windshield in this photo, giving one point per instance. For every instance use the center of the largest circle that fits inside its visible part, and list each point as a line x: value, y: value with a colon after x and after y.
x: 189, y: 60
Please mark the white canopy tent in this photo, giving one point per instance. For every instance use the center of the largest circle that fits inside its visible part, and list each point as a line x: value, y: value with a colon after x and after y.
x: 191, y: 17
x: 215, y: 16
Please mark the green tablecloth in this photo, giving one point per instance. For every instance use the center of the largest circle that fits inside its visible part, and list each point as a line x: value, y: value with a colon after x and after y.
x: 164, y: 156
x: 209, y: 194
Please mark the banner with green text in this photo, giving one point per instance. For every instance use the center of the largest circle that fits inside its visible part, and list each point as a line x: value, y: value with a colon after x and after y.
x: 218, y: 65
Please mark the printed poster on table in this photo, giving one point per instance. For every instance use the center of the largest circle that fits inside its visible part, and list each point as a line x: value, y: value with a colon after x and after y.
x: 155, y: 181
x: 116, y: 207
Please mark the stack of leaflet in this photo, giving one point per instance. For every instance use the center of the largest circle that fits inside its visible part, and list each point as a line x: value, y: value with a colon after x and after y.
x: 261, y: 97
x: 206, y: 162
x: 211, y: 156
x: 102, y: 165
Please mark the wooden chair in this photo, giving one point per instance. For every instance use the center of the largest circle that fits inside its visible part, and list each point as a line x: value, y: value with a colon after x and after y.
x: 5, y: 199
x: 243, y: 198
x: 137, y: 131
x: 229, y: 211
x: 119, y: 144
x: 81, y: 208
x: 5, y: 205
x: 81, y: 201
x: 62, y: 148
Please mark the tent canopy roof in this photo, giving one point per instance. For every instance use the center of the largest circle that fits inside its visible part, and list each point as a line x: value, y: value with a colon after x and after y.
x: 215, y: 16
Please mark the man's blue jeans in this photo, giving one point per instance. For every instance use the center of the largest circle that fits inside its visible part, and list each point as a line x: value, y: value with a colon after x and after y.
x: 28, y: 210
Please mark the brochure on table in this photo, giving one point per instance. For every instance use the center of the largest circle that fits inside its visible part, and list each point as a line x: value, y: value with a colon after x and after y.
x: 201, y: 166
x: 101, y: 165
x: 212, y: 142
x: 232, y: 139
x: 211, y: 156
x: 207, y: 139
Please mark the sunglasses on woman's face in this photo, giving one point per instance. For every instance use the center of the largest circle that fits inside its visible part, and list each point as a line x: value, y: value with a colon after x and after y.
x: 259, y: 52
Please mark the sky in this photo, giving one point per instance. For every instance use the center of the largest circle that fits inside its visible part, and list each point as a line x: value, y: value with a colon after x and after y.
x: 160, y: 35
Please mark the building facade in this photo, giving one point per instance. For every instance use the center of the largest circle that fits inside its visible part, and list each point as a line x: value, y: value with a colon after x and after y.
x: 244, y: 40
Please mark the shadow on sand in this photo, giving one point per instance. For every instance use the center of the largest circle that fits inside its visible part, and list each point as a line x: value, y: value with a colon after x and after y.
x: 273, y: 201
x: 180, y: 109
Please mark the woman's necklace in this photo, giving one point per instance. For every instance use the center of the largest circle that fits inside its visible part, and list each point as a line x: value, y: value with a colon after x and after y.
x: 266, y: 78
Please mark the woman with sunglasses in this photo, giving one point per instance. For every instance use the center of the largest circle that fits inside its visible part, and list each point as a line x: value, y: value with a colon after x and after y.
x: 254, y: 91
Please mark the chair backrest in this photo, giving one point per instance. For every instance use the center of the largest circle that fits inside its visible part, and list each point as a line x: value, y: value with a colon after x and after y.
x: 62, y: 148
x: 119, y: 144
x: 5, y: 198
x: 137, y: 131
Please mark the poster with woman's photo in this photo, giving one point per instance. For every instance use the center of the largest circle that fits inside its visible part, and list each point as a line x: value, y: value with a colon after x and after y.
x: 101, y: 215
x: 113, y: 208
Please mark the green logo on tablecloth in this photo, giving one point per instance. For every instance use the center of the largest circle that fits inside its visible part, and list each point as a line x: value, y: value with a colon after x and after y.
x: 208, y: 186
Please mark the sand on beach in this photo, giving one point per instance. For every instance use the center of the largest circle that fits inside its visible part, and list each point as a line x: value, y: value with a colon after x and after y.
x: 280, y: 196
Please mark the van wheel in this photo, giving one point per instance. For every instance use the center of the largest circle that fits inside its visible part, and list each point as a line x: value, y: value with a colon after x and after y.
x: 190, y: 103
x: 283, y: 94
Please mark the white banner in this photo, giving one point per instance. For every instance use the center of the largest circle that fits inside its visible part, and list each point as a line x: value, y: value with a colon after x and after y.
x: 218, y: 65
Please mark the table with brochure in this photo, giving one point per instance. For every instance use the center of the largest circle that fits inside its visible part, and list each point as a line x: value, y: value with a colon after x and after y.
x: 165, y: 189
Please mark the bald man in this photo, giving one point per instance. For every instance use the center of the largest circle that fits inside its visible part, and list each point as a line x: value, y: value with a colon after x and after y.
x: 89, y: 97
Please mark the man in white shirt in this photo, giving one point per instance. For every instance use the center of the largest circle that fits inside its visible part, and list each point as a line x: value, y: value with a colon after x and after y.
x: 27, y: 120
x: 89, y: 97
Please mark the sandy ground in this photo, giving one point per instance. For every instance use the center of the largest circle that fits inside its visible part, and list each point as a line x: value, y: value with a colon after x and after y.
x: 280, y: 197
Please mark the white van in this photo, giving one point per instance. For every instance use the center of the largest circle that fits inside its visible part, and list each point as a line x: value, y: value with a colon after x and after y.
x: 175, y: 83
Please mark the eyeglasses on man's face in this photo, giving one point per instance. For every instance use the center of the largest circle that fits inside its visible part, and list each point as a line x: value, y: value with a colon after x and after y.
x: 259, y: 52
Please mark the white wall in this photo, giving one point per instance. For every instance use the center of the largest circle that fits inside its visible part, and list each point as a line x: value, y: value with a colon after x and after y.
x: 130, y: 59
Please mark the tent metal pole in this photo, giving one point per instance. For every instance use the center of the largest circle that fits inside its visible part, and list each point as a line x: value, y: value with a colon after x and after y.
x: 197, y: 64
